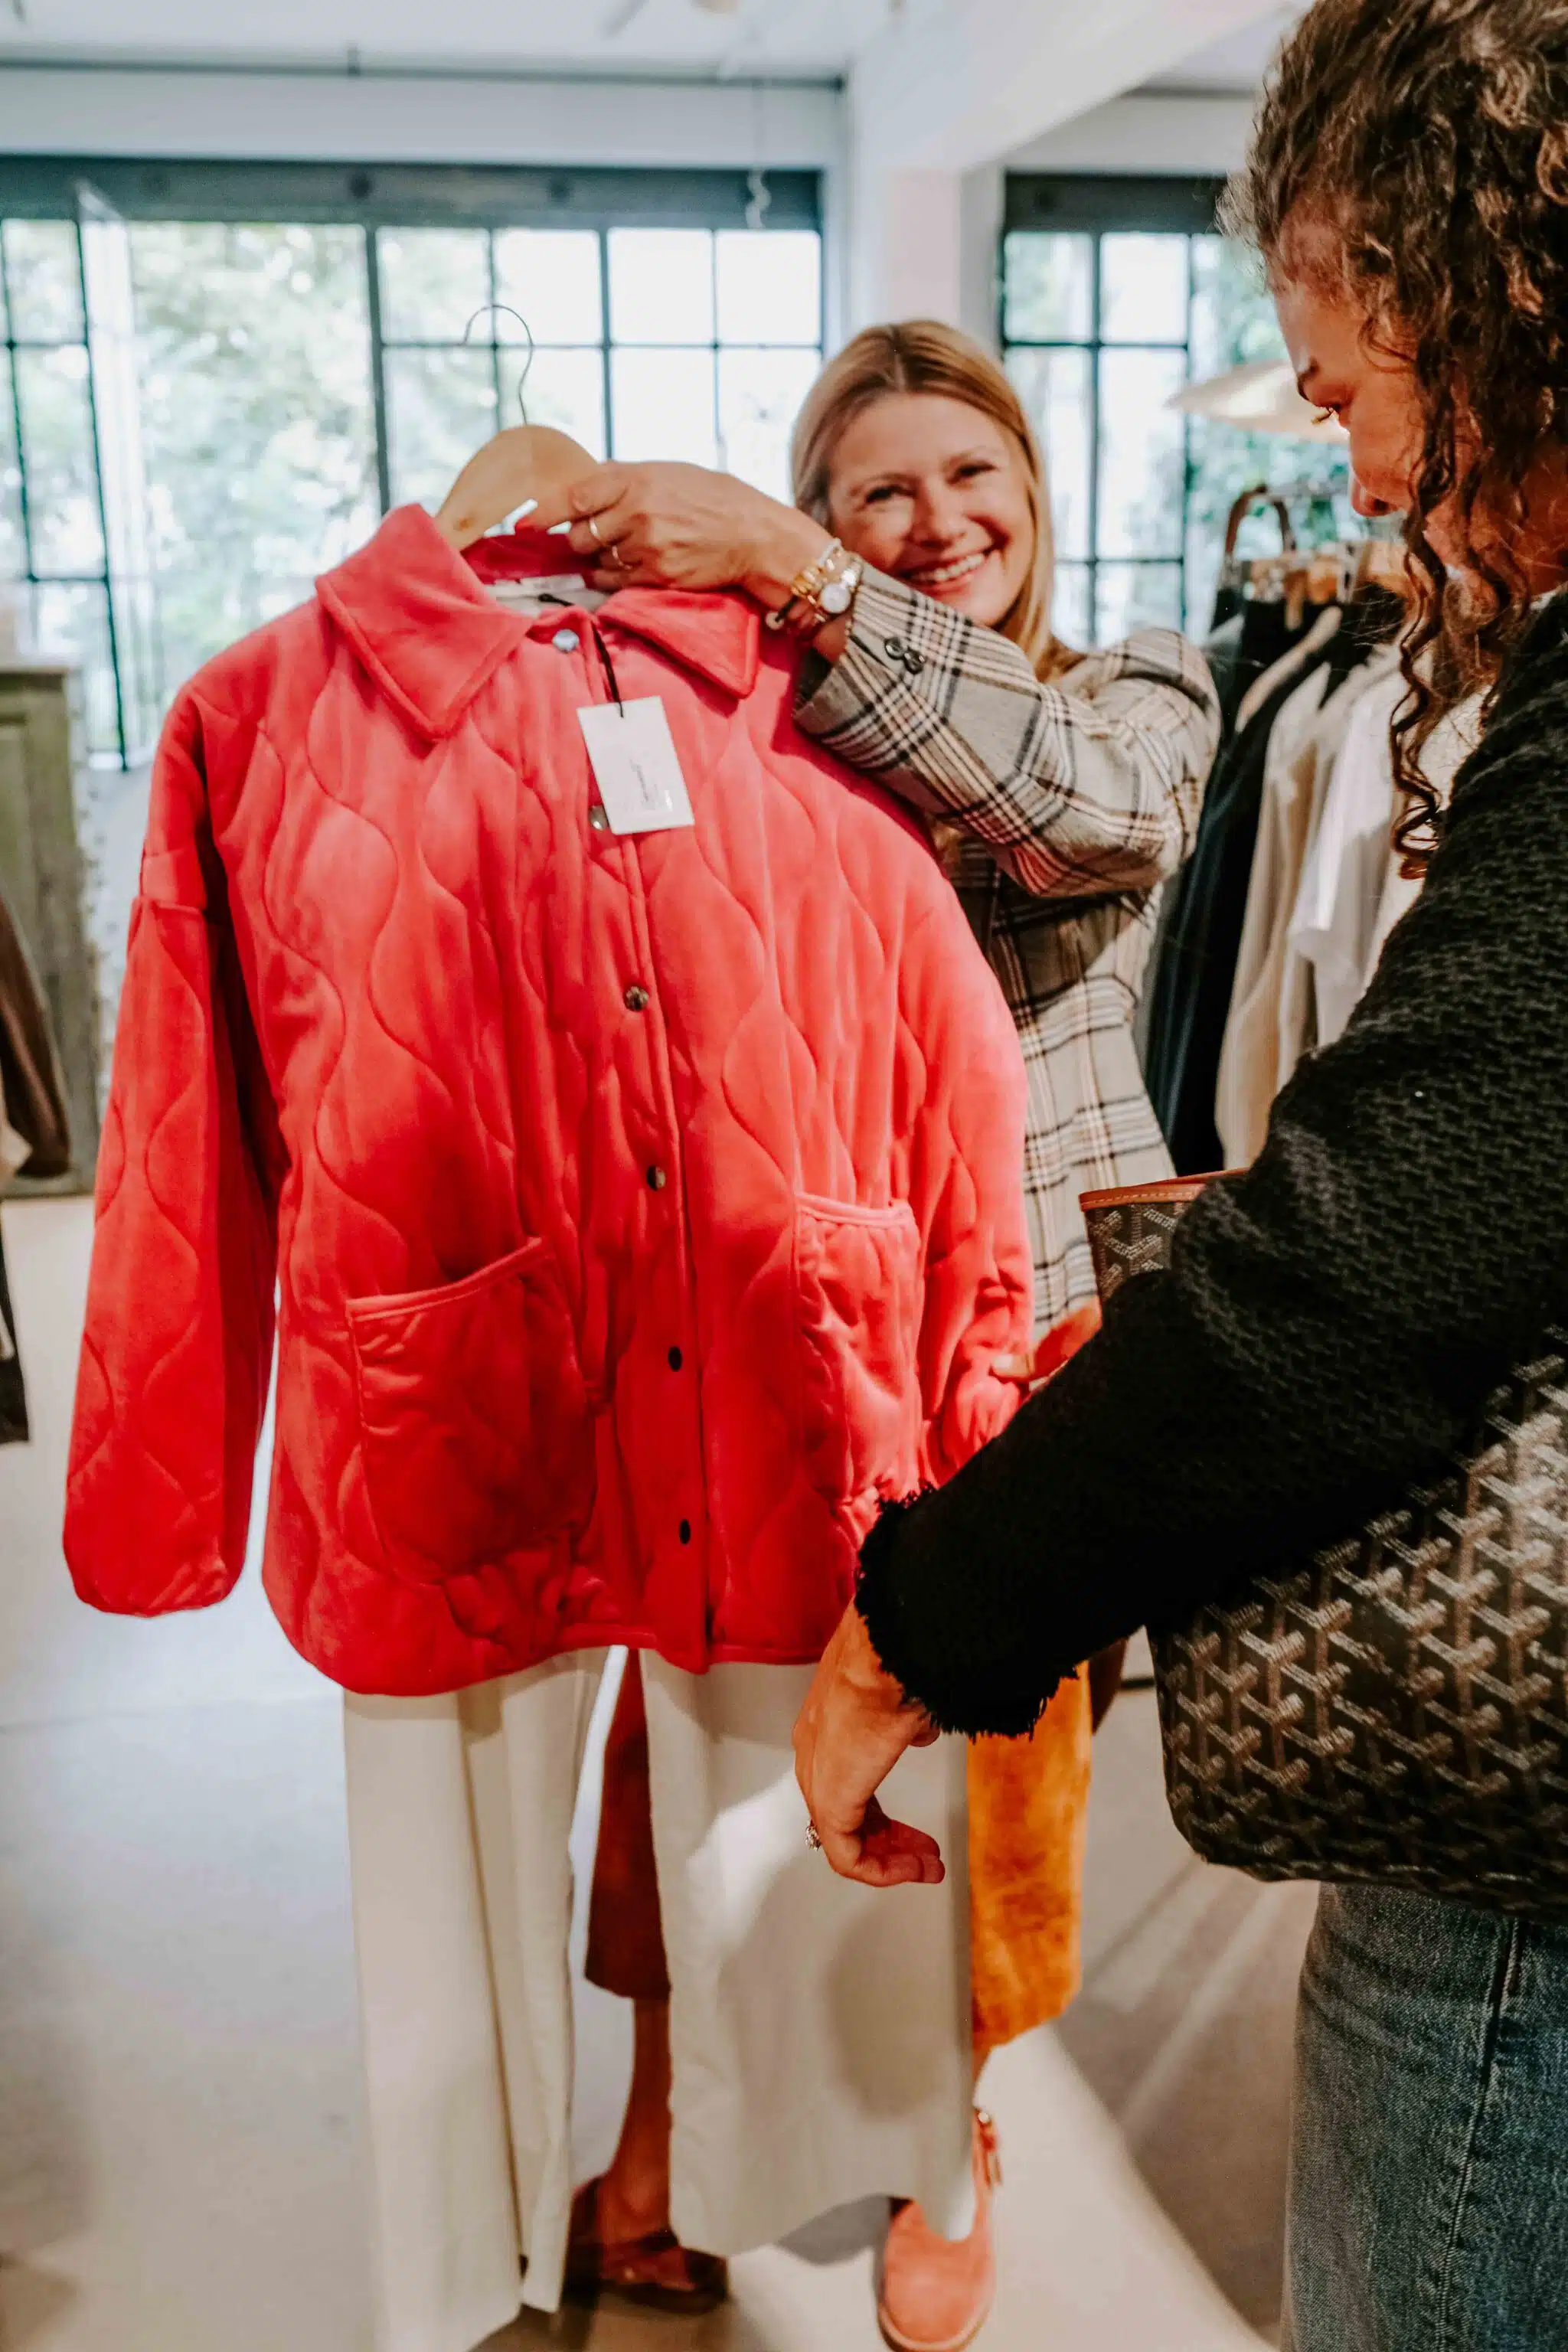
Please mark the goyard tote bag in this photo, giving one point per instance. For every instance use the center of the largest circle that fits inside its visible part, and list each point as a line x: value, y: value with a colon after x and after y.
x: 1396, y: 1708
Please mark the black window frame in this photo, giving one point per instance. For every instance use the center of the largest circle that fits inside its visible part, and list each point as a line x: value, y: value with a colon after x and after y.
x: 1100, y: 205
x: 374, y: 196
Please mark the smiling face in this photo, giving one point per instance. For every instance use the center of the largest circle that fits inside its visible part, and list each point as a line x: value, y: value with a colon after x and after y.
x: 936, y: 493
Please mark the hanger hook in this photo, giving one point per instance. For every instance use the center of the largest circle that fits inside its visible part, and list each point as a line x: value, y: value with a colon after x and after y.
x: 488, y: 310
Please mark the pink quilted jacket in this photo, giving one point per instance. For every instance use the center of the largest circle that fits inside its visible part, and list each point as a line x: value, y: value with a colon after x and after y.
x: 640, y: 1209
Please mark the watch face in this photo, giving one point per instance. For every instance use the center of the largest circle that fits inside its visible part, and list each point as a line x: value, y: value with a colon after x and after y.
x: 837, y: 596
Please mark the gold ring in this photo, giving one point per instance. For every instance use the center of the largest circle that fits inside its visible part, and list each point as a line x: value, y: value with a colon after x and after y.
x: 813, y: 1838
x: 595, y: 532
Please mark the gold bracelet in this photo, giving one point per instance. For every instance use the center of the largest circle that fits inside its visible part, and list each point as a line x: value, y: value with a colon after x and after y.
x: 823, y: 591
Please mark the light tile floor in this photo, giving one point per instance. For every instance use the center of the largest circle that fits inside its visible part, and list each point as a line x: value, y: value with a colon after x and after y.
x: 181, y: 2138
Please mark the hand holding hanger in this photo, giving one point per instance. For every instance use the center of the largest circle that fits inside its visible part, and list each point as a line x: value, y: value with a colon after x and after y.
x: 663, y: 525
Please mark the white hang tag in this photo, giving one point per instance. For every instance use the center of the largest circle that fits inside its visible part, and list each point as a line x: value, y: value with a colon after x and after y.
x: 635, y: 766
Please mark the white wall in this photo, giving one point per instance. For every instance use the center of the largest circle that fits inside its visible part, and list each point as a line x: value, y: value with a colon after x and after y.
x: 391, y: 118
x: 1152, y: 132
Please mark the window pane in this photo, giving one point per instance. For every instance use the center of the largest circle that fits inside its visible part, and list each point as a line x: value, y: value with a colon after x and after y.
x: 1233, y: 315
x: 565, y: 389
x: 552, y: 278
x: 664, y: 405
x: 1070, y: 610
x: 433, y: 280
x: 441, y: 406
x: 258, y: 426
x: 12, y: 554
x: 770, y: 287
x: 45, y: 281
x: 1143, y: 289
x: 1049, y: 286
x: 661, y: 286
x: 1137, y: 596
x: 72, y: 623
x: 1057, y: 390
x: 1141, y: 454
x: 57, y: 442
x: 760, y: 394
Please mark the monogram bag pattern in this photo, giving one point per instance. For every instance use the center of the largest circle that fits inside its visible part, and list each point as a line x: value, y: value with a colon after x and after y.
x: 1395, y: 1709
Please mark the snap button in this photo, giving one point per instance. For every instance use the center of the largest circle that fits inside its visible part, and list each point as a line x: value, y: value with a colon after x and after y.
x: 675, y: 1359
x: 656, y: 1179
x: 598, y: 820
x: 565, y: 641
x: 638, y: 999
x: 686, y: 1531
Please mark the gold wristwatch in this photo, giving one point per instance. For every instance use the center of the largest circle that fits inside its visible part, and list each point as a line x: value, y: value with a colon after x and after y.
x: 823, y: 591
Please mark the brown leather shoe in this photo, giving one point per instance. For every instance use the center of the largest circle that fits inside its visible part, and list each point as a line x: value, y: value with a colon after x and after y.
x: 935, y: 2293
x: 657, y: 2273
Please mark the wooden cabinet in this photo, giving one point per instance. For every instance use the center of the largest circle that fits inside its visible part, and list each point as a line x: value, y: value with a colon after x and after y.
x: 44, y: 873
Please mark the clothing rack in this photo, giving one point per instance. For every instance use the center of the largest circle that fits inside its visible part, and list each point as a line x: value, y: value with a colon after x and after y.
x: 1300, y: 636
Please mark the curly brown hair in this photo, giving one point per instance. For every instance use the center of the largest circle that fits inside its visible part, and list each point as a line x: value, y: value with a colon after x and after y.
x: 1431, y: 138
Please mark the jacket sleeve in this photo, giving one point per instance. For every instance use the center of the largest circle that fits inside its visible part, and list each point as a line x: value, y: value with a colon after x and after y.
x: 177, y: 1348
x: 1331, y: 1323
x: 967, y: 1192
x: 1079, y: 789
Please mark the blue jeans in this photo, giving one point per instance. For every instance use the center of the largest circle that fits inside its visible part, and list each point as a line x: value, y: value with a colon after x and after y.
x: 1429, y: 2170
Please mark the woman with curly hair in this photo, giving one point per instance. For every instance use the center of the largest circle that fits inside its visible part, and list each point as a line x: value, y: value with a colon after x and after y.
x: 1334, y: 1319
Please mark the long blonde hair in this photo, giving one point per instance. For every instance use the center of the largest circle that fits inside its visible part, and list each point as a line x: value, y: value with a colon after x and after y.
x: 924, y: 355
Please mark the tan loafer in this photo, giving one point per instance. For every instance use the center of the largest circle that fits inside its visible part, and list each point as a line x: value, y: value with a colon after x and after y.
x: 657, y: 2273
x: 934, y: 2294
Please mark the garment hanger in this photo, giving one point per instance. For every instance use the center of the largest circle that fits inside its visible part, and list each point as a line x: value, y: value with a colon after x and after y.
x: 519, y: 468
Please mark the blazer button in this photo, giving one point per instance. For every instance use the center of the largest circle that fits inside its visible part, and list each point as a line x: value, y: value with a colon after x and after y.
x: 565, y: 641
x: 638, y: 999
x: 656, y: 1179
x: 894, y: 648
x: 914, y: 663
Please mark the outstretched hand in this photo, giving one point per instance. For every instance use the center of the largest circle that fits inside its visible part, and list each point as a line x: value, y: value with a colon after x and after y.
x: 853, y: 1727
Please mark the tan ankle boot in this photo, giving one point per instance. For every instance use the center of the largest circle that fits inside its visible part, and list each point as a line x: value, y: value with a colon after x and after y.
x: 935, y: 2293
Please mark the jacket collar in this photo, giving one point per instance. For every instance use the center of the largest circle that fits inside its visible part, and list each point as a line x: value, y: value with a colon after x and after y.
x: 418, y: 617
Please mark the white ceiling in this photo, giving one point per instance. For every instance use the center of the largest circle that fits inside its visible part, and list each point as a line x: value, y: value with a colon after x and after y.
x: 1236, y: 63
x: 818, y: 38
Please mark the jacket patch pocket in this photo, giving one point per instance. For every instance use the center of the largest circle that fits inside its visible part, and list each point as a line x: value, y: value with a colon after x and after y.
x: 474, y: 1423
x: 857, y: 1303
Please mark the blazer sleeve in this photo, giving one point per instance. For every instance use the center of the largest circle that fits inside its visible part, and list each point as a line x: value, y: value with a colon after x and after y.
x: 177, y: 1348
x: 967, y: 1192
x: 1079, y: 788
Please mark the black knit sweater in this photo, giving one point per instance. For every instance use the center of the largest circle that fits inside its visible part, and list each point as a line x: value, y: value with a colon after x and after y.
x: 1330, y: 1322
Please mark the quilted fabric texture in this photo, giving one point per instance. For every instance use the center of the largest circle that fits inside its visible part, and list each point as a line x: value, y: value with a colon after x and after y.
x: 640, y: 1212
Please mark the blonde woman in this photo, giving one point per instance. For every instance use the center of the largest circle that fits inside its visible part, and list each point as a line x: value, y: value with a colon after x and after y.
x: 917, y: 566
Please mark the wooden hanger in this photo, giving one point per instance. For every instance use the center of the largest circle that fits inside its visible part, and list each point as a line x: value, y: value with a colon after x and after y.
x: 519, y: 467
x: 516, y: 469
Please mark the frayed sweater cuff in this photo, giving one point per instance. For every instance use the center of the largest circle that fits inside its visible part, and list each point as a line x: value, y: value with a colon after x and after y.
x: 920, y: 1656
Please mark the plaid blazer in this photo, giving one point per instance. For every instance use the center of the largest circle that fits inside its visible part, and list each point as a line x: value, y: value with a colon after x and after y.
x: 1075, y: 802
